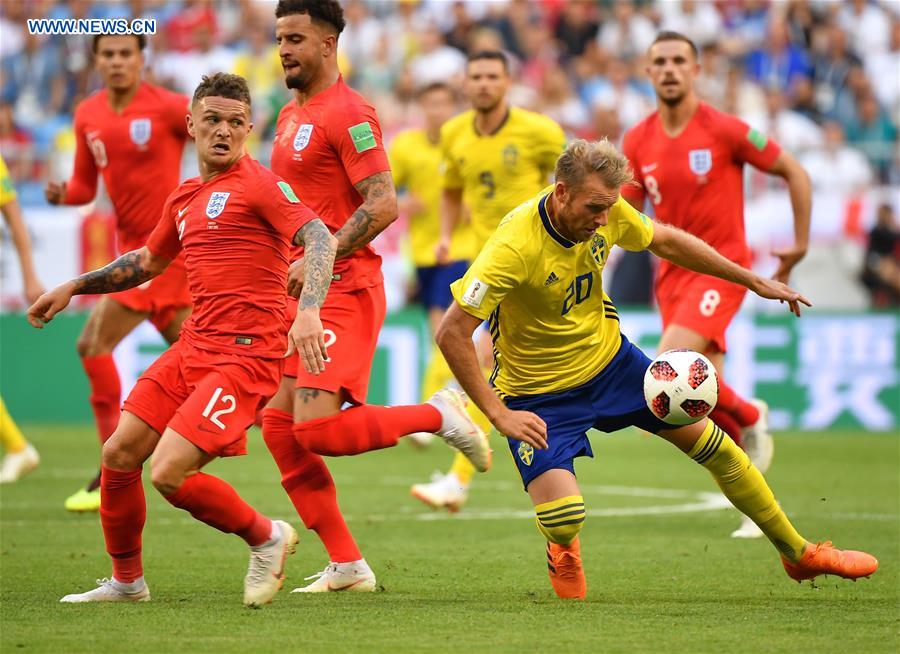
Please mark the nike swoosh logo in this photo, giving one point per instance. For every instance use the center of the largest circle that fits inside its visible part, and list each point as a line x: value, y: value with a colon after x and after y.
x: 347, y: 587
x: 648, y: 169
x: 181, y: 212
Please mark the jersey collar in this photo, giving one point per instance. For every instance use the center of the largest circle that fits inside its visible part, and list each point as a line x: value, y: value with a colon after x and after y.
x: 545, y: 218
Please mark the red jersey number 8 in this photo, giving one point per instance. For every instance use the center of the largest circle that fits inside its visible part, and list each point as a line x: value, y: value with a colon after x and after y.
x: 710, y: 301
x: 652, y: 187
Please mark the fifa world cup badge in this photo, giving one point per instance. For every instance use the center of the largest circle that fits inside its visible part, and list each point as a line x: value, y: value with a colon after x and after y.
x: 526, y: 453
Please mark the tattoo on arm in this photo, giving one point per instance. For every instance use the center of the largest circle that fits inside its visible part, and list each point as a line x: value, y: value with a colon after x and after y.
x: 126, y: 272
x: 378, y: 210
x: 318, y: 261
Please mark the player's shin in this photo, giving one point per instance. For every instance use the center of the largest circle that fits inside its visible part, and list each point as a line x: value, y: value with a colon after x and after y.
x: 309, y: 484
x: 123, y: 511
x: 106, y: 392
x: 365, y: 428
x: 746, y: 488
x: 561, y: 520
x: 213, y: 501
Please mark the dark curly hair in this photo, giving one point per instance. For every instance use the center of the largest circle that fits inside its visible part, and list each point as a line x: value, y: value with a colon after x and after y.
x: 329, y: 12
x: 223, y: 85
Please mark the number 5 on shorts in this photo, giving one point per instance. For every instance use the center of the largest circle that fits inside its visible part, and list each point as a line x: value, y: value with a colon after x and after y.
x: 227, y: 400
x: 710, y: 301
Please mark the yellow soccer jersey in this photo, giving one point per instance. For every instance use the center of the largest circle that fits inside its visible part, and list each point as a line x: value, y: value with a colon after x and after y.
x: 553, y: 326
x: 416, y: 165
x: 7, y: 190
x: 499, y: 171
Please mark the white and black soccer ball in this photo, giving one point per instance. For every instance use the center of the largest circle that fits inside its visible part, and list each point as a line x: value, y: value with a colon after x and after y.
x: 681, y: 387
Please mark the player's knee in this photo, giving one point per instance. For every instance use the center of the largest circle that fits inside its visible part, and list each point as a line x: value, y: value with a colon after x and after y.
x: 167, y: 479
x: 561, y: 520
x: 118, y: 456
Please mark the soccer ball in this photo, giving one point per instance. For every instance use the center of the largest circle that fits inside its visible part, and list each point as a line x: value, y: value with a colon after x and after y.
x: 681, y: 387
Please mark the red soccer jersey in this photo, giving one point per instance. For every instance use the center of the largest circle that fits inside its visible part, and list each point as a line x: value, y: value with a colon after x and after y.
x: 138, y: 152
x: 236, y: 232
x: 695, y: 180
x: 322, y: 149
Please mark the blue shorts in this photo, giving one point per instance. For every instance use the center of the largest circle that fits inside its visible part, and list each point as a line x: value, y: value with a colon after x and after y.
x: 434, y: 283
x: 611, y: 401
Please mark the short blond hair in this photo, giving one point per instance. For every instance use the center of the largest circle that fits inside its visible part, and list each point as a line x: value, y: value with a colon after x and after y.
x: 582, y: 157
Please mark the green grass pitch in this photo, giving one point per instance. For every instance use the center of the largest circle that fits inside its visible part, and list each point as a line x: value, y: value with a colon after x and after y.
x: 663, y: 574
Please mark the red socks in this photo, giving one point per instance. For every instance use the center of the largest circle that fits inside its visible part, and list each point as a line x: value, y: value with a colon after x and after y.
x: 213, y: 501
x: 740, y: 409
x: 308, y: 483
x: 728, y: 424
x: 365, y: 428
x: 106, y: 393
x: 123, y: 512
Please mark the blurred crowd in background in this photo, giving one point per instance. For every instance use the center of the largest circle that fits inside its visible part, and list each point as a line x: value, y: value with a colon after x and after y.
x: 821, y: 77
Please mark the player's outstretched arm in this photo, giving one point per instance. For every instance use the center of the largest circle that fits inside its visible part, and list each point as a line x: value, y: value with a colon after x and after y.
x: 12, y: 213
x: 378, y: 210
x: 130, y: 270
x: 307, y: 336
x: 800, y: 190
x: 450, y: 213
x: 454, y: 338
x: 690, y: 252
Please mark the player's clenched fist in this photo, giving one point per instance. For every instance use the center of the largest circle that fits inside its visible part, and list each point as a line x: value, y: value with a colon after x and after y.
x: 55, y: 192
x: 296, y: 277
x: 523, y: 426
x: 49, y: 304
x: 306, y: 337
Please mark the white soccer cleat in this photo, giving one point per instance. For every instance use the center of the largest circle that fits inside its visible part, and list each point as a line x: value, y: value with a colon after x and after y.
x: 18, y: 464
x: 110, y: 590
x: 355, y: 575
x: 421, y: 439
x: 459, y: 430
x: 443, y: 492
x: 757, y: 440
x: 748, y: 529
x: 265, y: 575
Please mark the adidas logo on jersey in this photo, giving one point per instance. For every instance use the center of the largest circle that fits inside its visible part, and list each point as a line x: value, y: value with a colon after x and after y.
x: 551, y: 279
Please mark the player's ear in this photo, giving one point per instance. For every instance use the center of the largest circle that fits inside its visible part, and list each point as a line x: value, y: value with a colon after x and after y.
x: 190, y: 125
x: 329, y: 45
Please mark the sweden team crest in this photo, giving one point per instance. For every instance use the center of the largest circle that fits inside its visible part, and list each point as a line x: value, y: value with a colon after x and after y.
x: 301, y: 138
x: 598, y: 248
x: 526, y: 453
x: 139, y: 131
x: 700, y: 161
x: 216, y: 204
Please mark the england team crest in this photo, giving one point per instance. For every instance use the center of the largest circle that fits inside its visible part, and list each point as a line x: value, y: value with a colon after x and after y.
x: 139, y: 130
x: 216, y: 204
x: 301, y: 139
x: 700, y: 161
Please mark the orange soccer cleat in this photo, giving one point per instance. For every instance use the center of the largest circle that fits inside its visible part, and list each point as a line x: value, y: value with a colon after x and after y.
x: 565, y: 570
x: 825, y: 559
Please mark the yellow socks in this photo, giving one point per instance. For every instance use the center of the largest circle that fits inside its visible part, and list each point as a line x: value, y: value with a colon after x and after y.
x: 560, y: 520
x: 437, y: 374
x: 745, y: 486
x: 10, y: 436
x: 462, y: 469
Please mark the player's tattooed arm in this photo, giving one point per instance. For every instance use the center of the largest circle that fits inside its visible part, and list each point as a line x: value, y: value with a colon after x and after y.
x: 319, y: 248
x: 378, y: 210
x: 130, y: 270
